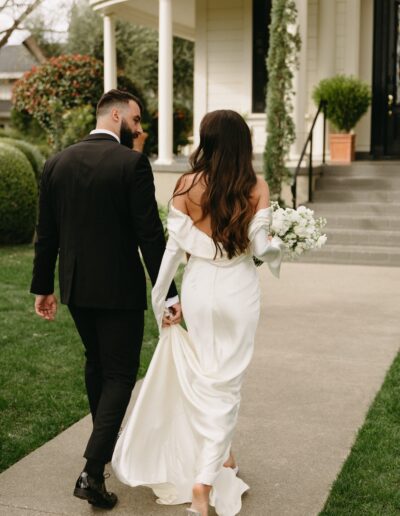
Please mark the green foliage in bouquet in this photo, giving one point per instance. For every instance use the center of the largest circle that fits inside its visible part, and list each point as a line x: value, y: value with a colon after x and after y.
x: 18, y: 197
x: 35, y: 157
x: 281, y: 62
x: 347, y: 100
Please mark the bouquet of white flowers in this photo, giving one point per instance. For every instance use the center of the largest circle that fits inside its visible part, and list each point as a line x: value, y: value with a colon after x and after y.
x: 298, y: 229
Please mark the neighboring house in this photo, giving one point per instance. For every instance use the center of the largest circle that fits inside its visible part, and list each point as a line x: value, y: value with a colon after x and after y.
x: 357, y: 37
x: 15, y: 60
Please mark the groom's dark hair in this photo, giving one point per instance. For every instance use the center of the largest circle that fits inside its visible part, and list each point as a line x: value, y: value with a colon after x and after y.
x: 114, y: 97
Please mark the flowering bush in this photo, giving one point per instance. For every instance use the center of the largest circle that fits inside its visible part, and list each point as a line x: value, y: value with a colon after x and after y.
x: 60, y: 84
x: 298, y: 229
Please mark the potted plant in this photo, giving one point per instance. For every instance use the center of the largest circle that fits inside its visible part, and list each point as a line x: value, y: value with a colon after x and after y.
x: 347, y: 100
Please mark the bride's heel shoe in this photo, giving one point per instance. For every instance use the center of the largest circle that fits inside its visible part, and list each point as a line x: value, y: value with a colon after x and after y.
x: 192, y: 512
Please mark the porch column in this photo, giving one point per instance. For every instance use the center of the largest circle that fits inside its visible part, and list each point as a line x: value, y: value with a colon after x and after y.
x: 327, y: 39
x: 165, y: 85
x: 352, y: 56
x: 326, y: 62
x: 300, y: 81
x: 110, y: 53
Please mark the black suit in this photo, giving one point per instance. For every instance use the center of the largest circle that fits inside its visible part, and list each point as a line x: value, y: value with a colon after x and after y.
x: 97, y: 208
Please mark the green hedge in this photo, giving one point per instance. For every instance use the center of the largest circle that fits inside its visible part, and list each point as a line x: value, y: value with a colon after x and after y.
x: 347, y: 100
x: 33, y: 154
x: 18, y: 196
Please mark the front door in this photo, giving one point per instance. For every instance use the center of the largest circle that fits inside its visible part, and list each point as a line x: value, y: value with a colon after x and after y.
x: 386, y: 80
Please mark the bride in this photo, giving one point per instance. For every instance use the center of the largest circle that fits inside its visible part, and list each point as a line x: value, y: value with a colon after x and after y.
x: 178, y: 438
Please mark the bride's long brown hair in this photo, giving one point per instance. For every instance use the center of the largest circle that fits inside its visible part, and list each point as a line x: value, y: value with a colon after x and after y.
x: 223, y: 160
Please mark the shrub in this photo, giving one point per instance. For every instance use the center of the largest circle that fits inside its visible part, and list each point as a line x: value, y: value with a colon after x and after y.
x: 26, y: 125
x: 78, y: 123
x: 33, y: 154
x: 51, y: 92
x: 347, y: 100
x: 62, y: 83
x: 282, y: 61
x: 18, y: 197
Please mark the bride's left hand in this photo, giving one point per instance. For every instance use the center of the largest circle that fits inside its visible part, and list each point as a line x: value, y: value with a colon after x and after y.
x: 173, y: 317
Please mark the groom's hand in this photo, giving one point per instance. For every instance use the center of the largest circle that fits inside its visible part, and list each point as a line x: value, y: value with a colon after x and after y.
x: 46, y: 306
x: 174, y: 317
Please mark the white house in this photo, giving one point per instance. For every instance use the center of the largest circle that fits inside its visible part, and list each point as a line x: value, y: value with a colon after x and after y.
x: 15, y: 60
x: 358, y: 37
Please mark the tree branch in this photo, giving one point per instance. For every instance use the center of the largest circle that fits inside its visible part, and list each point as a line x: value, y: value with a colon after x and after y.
x: 17, y: 22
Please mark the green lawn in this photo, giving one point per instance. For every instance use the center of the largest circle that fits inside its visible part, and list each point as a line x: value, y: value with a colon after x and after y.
x: 369, y: 483
x: 41, y: 363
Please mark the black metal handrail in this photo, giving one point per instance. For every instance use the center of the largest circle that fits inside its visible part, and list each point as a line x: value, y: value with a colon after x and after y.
x: 309, y: 141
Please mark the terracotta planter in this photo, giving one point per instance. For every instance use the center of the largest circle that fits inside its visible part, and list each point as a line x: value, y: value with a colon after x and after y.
x: 342, y: 147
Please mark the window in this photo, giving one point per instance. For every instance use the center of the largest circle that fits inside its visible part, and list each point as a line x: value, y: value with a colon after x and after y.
x: 261, y: 22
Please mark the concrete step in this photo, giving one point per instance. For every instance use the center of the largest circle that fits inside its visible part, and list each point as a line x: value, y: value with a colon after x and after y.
x: 354, y: 254
x: 365, y: 169
x: 362, y: 222
x: 358, y: 183
x: 367, y: 209
x: 357, y: 196
x: 363, y: 237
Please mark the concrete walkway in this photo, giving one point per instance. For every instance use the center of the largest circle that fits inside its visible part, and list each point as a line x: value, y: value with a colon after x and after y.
x: 327, y: 336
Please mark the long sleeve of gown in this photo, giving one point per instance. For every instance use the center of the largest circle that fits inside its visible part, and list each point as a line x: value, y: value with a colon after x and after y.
x: 172, y: 257
x: 268, y: 251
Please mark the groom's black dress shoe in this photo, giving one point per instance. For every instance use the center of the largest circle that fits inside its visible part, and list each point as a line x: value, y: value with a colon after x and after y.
x: 94, y: 491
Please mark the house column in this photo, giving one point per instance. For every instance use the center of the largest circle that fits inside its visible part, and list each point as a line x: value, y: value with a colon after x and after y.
x: 110, y: 53
x: 200, y: 69
x: 327, y: 39
x: 352, y: 57
x: 300, y: 81
x: 326, y: 60
x: 165, y: 85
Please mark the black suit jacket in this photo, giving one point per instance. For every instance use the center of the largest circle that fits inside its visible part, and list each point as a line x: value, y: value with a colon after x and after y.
x: 97, y: 208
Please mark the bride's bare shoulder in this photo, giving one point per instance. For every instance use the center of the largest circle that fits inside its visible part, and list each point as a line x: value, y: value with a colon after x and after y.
x: 184, y: 186
x: 260, y: 194
x: 184, y: 182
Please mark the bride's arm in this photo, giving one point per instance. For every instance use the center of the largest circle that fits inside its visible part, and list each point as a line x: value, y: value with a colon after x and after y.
x: 172, y: 258
x: 268, y: 250
x: 265, y: 248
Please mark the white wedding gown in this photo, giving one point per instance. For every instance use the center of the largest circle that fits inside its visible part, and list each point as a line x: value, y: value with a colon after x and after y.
x: 180, y: 430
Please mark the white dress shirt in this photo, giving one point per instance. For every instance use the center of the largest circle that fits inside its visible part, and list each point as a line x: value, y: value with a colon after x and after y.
x: 106, y: 131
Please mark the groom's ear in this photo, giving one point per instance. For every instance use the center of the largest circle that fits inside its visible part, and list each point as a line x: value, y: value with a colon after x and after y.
x: 115, y: 114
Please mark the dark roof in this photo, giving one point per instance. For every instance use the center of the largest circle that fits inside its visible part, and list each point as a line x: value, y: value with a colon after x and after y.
x: 16, y: 58
x: 5, y: 106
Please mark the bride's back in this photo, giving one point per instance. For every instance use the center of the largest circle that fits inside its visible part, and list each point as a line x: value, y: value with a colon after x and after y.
x: 222, y: 192
x: 194, y: 188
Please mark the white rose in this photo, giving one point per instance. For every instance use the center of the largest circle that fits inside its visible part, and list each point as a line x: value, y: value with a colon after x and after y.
x: 300, y: 231
x: 321, y: 241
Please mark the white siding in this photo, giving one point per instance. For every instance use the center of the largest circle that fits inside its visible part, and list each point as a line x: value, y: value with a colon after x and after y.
x: 226, y: 82
x: 312, y: 52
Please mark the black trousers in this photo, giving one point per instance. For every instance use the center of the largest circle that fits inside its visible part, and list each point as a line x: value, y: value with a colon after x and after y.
x: 112, y: 340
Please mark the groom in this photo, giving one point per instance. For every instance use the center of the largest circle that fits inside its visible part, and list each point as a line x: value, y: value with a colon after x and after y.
x: 97, y: 209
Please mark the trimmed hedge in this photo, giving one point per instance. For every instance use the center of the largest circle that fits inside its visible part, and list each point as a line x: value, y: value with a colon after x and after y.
x: 33, y: 154
x: 347, y: 98
x: 18, y: 197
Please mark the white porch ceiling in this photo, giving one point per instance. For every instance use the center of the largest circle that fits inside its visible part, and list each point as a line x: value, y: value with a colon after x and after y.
x: 146, y: 13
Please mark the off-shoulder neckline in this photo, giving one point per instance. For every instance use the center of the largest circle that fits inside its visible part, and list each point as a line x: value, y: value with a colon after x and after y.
x: 189, y: 218
x: 257, y: 213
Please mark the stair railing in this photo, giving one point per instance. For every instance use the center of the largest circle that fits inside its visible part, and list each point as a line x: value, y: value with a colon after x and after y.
x: 309, y: 143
